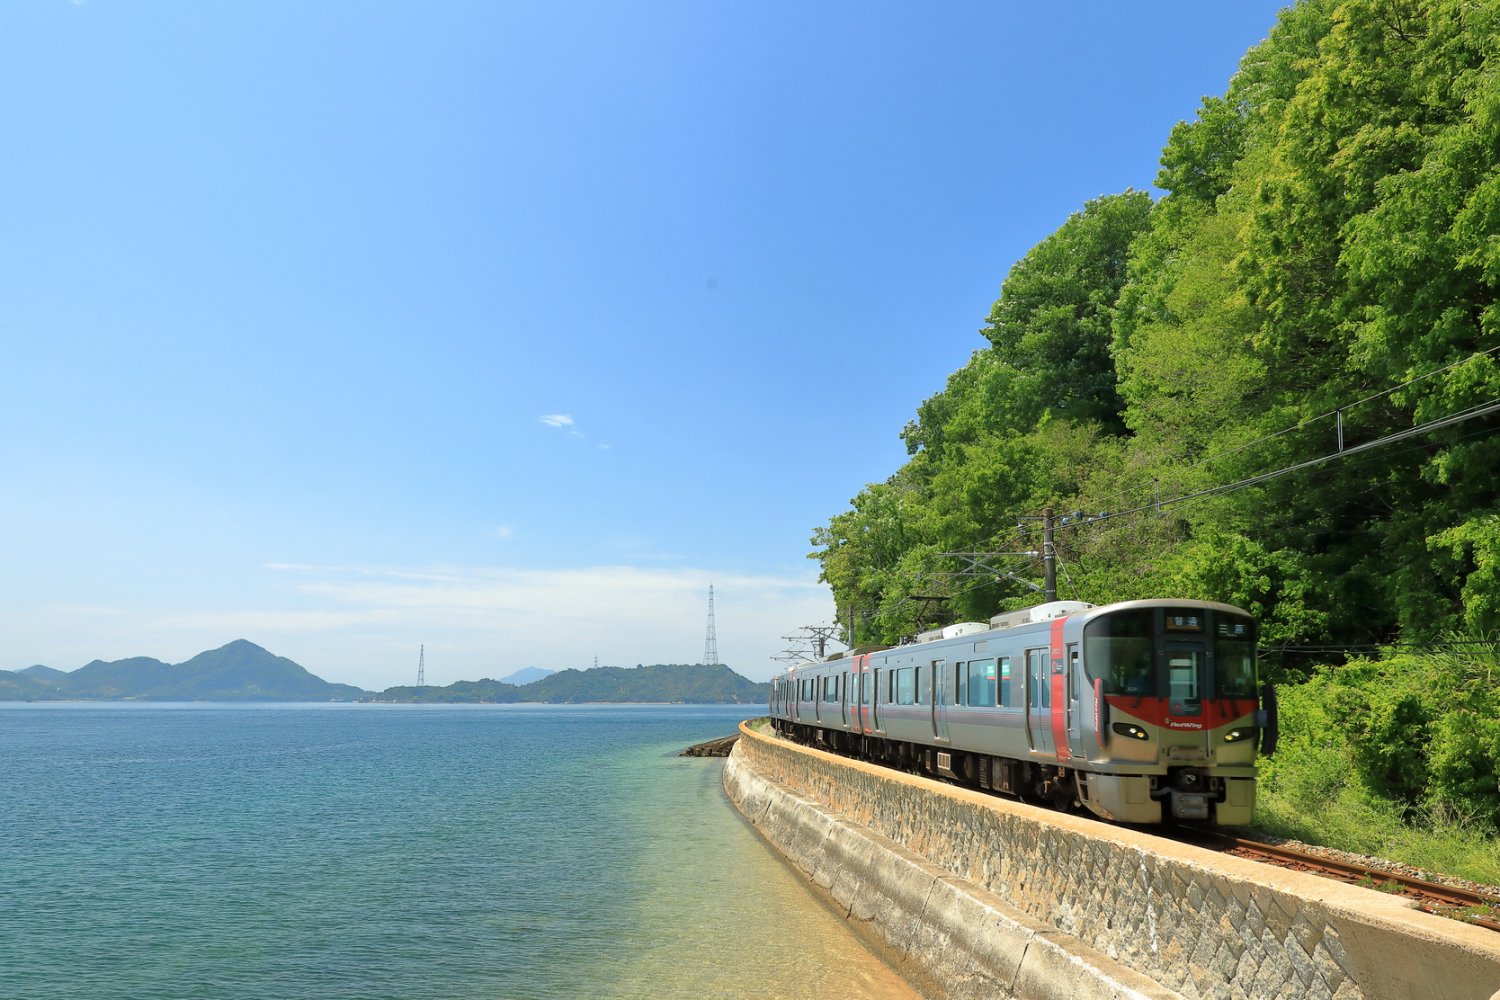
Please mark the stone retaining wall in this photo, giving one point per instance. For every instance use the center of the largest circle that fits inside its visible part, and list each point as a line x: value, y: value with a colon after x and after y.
x: 969, y: 895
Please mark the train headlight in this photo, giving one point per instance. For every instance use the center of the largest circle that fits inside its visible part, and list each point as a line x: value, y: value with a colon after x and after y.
x: 1130, y: 729
x: 1240, y: 734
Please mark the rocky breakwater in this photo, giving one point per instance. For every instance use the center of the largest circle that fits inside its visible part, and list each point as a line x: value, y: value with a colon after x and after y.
x: 713, y: 748
x: 969, y: 895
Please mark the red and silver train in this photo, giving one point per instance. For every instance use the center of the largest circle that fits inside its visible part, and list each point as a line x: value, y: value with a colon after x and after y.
x: 1142, y: 711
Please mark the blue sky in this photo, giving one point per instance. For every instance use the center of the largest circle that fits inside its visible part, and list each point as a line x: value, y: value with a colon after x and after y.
x: 507, y: 329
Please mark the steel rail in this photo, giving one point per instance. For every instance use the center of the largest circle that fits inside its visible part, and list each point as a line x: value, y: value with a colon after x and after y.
x: 1431, y: 897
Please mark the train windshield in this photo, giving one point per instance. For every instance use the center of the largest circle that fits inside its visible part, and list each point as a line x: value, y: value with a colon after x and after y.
x: 1172, y: 653
x: 1234, y: 657
x: 1117, y: 650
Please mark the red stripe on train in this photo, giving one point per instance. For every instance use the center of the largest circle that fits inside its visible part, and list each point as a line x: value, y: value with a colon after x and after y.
x: 1058, y: 680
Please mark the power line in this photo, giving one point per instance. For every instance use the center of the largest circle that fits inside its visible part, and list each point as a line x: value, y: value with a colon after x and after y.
x: 978, y: 567
x: 1478, y: 410
x: 1337, y: 413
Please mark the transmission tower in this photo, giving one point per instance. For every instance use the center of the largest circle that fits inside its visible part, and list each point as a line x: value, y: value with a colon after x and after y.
x: 711, y: 640
x: 422, y: 665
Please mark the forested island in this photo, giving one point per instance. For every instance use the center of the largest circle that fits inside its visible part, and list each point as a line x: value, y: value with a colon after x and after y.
x: 1276, y: 386
x: 243, y: 671
x: 661, y: 683
x: 238, y: 671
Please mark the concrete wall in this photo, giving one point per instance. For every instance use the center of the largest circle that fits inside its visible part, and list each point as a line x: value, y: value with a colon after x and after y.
x: 969, y: 895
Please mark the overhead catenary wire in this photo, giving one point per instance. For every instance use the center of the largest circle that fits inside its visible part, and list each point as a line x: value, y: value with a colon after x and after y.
x: 1310, y: 421
x: 1222, y: 489
x: 1157, y: 504
x: 1478, y: 410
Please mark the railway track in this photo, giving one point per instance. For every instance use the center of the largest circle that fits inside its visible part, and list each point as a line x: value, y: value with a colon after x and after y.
x: 1444, y: 900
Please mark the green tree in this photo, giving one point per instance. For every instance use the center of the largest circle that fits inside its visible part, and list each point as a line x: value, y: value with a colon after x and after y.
x: 1056, y: 306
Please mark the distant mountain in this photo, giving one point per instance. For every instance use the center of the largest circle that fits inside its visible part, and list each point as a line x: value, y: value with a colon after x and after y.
x: 16, y: 686
x: 664, y: 682
x: 240, y: 671
x: 668, y: 683
x: 526, y: 675
x: 243, y: 671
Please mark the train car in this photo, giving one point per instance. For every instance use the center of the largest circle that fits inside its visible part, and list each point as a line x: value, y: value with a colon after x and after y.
x: 1141, y: 711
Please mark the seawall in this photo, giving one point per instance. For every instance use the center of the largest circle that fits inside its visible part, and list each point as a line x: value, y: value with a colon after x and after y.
x: 969, y: 895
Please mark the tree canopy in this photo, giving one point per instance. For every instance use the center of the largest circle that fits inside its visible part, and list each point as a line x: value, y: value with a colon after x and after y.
x: 1319, y: 274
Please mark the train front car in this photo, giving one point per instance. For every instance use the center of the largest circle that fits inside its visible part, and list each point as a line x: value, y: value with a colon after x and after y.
x: 1176, y: 721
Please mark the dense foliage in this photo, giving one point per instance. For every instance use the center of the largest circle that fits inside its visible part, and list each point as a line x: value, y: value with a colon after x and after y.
x: 1322, y: 268
x: 1397, y: 756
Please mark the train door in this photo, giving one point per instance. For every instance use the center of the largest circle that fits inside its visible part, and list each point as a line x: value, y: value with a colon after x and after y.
x: 942, y: 697
x: 1075, y: 697
x: 876, y: 675
x: 866, y: 715
x: 1039, y: 700
x: 844, y: 698
x: 854, y: 696
x: 859, y: 697
x: 1187, y: 678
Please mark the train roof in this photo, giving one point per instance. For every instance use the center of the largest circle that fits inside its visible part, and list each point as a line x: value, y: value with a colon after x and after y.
x: 1029, y: 616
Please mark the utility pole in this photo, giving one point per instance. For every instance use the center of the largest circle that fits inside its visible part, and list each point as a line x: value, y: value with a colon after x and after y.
x: 1049, y: 557
x: 820, y: 636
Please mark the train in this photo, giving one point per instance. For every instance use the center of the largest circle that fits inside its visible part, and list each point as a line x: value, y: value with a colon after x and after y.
x: 1141, y: 712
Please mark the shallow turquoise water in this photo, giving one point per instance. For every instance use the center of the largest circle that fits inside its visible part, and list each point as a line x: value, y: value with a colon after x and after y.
x: 194, y: 851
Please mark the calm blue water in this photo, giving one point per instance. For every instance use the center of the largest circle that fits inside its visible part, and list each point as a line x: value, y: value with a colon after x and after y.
x: 190, y: 851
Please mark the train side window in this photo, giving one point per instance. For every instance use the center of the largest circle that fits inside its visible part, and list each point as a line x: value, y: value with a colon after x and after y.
x: 982, y: 683
x: 904, y: 689
x: 1005, y: 697
x: 960, y: 692
x: 917, y: 688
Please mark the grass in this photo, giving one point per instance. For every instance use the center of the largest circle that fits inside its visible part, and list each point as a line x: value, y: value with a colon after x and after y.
x: 1354, y: 820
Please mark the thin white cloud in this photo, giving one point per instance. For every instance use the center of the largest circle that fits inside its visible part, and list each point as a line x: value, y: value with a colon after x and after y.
x: 502, y: 532
x: 509, y: 618
x: 363, y: 625
x: 563, y: 422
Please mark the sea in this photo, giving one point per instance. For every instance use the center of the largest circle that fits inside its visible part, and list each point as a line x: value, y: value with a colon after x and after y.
x: 276, y: 852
